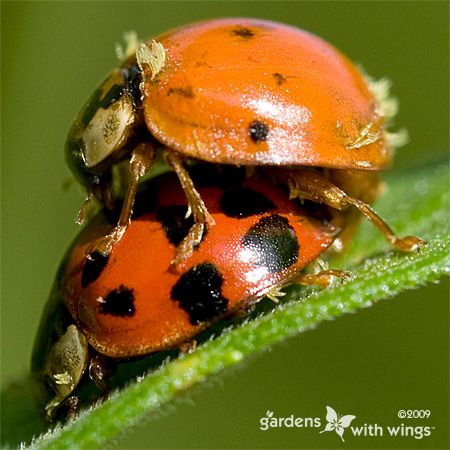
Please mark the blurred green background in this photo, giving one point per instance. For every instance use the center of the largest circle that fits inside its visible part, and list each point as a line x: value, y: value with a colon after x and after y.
x: 391, y: 356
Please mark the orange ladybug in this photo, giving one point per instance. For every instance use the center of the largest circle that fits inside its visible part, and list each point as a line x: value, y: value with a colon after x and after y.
x: 241, y: 92
x: 128, y: 304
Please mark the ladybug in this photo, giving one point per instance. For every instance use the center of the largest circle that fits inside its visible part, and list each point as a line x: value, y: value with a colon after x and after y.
x: 243, y: 92
x: 128, y: 304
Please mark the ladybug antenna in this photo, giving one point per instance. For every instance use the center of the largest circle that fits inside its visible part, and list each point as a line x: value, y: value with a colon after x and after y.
x: 153, y: 56
x: 131, y: 42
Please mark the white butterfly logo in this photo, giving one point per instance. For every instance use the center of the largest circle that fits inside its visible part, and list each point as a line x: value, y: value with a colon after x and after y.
x: 337, y: 423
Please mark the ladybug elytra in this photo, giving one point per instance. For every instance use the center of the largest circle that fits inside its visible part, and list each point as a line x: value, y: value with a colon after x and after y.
x: 128, y: 304
x: 243, y: 92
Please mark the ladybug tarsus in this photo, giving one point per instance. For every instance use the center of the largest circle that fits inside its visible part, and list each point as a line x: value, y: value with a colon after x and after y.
x: 83, y: 212
x: 322, y: 279
x: 72, y: 404
x: 188, y: 347
x: 406, y: 244
x: 186, y: 247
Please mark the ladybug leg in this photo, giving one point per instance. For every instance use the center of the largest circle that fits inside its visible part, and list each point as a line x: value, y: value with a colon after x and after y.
x: 100, y: 368
x: 196, y: 207
x: 276, y: 293
x: 103, y: 193
x: 243, y: 310
x: 311, y: 185
x: 83, y: 212
x: 188, y: 347
x: 141, y: 161
x: 323, y: 279
x: 72, y: 404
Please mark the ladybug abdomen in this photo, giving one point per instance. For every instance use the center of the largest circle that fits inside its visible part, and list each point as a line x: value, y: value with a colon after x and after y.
x: 243, y: 91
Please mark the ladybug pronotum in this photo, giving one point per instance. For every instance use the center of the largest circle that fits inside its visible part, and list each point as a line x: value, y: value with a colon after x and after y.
x: 243, y: 92
x: 128, y: 304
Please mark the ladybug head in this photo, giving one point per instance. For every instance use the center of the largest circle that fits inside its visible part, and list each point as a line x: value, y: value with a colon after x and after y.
x: 105, y: 125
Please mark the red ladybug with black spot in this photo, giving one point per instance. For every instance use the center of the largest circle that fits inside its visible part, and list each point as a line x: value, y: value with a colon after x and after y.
x: 128, y: 304
x: 243, y: 92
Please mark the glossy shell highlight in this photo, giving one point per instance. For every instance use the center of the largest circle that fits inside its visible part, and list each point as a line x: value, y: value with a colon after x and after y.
x: 132, y: 304
x: 255, y: 92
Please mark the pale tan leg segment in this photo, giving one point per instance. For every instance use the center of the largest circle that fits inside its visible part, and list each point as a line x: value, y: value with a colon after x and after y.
x: 104, y: 195
x: 82, y: 213
x: 140, y: 163
x: 188, y: 347
x: 323, y: 279
x: 311, y: 185
x: 196, y: 207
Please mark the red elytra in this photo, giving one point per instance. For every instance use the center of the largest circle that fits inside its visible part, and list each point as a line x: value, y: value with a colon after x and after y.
x: 132, y: 304
x: 251, y: 91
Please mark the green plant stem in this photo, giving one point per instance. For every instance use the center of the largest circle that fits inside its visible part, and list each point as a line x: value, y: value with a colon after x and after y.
x: 412, y: 204
x: 379, y: 278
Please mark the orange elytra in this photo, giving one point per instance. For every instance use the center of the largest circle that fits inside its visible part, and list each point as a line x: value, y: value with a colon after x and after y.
x: 255, y: 92
x: 129, y: 304
x: 243, y: 92
x: 260, y: 241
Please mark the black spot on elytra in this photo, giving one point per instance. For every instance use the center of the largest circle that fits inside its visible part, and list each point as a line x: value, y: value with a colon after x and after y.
x: 243, y: 32
x: 184, y: 91
x: 258, y: 131
x: 93, y: 267
x: 220, y: 176
x: 174, y: 222
x: 119, y: 302
x: 280, y: 79
x: 202, y: 64
x: 244, y: 202
x: 199, y: 292
x: 273, y: 243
